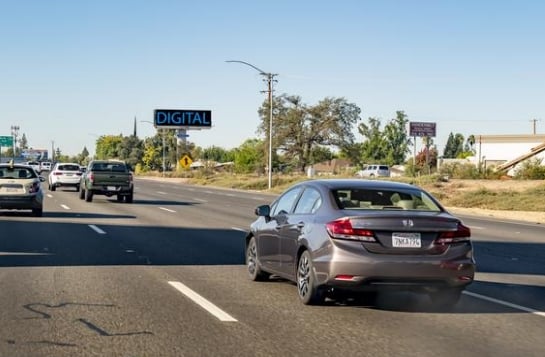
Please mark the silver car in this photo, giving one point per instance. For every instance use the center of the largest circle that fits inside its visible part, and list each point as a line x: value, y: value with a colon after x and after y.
x: 356, y: 237
x: 20, y: 188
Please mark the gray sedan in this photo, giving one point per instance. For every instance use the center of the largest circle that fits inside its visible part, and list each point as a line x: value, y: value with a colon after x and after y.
x: 356, y: 237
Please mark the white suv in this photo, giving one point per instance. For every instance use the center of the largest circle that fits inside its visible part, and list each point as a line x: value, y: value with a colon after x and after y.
x: 64, y: 174
x: 374, y: 171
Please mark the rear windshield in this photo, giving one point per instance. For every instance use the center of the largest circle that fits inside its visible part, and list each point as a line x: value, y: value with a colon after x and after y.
x: 402, y: 199
x: 17, y: 173
x: 68, y: 167
x: 109, y: 167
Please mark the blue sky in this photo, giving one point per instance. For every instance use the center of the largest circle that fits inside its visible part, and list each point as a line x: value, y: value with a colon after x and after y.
x: 73, y: 70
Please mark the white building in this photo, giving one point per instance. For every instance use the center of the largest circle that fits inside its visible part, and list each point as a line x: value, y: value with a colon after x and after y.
x: 508, y: 149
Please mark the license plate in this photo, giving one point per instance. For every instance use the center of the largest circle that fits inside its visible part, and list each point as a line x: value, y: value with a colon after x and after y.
x: 111, y: 188
x: 406, y: 240
x: 10, y: 189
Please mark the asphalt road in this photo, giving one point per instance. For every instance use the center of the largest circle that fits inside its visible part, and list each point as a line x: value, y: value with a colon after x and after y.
x: 165, y: 276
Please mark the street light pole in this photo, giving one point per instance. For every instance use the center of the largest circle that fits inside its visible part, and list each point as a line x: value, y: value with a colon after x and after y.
x: 270, y: 78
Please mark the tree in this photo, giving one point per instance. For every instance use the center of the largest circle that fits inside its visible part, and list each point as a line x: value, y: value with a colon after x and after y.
x: 23, y: 143
x: 249, y: 156
x: 388, y: 146
x: 454, y: 146
x: 299, y: 128
x: 109, y: 147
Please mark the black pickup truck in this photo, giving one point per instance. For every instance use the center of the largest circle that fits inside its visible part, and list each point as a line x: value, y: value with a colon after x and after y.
x: 109, y: 178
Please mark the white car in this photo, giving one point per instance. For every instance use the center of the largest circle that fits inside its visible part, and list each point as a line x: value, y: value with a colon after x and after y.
x: 374, y: 171
x: 35, y: 165
x: 64, y: 174
x: 45, y: 166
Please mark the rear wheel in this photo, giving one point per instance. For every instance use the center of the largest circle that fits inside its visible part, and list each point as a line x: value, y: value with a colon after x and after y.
x: 128, y: 198
x: 254, y: 270
x: 119, y: 198
x: 52, y: 187
x: 88, y: 196
x: 82, y: 194
x: 37, y: 212
x: 77, y: 188
x: 309, y: 292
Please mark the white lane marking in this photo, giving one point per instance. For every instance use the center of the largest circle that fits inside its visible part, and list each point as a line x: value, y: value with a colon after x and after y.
x: 49, y: 195
x: 239, y: 229
x: 210, y: 192
x: 166, y: 209
x: 200, y: 200
x: 505, y: 303
x: 96, y: 229
x: 202, y: 302
x: 475, y: 227
x: 65, y: 207
x: 230, y: 194
x: 161, y: 192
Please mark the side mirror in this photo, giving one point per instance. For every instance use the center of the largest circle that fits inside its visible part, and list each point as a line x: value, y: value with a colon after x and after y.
x: 263, y: 211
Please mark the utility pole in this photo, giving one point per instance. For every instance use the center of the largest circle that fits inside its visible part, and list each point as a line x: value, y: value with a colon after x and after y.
x: 534, y: 121
x: 270, y: 79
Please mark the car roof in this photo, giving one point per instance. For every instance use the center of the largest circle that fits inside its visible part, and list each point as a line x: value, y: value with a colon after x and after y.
x: 334, y: 184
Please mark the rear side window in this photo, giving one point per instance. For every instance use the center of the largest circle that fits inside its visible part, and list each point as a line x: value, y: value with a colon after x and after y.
x: 309, y: 202
x: 385, y: 168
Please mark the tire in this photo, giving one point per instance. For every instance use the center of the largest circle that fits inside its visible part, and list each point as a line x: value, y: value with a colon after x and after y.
x: 252, y: 264
x: 82, y: 194
x: 53, y: 187
x: 446, y: 298
x: 309, y: 293
x: 119, y: 198
x: 129, y: 198
x: 88, y: 196
x: 77, y: 188
x: 37, y: 212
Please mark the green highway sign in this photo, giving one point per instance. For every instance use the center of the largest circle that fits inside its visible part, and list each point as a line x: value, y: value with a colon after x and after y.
x: 6, y: 141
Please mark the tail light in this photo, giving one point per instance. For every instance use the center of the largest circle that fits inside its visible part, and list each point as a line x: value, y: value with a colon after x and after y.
x: 91, y: 177
x: 57, y: 173
x: 342, y: 229
x: 461, y: 234
x: 130, y: 177
x: 78, y: 173
x: 35, y: 187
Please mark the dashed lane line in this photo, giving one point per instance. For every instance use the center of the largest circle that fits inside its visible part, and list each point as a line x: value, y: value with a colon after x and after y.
x: 166, y: 209
x: 202, y: 302
x: 96, y: 229
x: 65, y: 207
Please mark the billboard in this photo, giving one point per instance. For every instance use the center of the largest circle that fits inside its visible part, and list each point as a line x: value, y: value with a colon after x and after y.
x: 182, y: 118
x: 421, y: 129
x: 34, y: 154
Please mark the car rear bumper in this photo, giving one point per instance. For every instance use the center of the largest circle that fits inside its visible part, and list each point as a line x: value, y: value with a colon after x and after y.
x: 361, y: 270
x: 20, y: 202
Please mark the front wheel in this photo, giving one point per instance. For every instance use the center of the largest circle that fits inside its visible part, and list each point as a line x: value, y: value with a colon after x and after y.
x: 254, y: 270
x: 37, y: 212
x: 309, y: 292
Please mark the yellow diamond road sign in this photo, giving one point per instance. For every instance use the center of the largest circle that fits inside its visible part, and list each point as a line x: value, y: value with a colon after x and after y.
x: 186, y: 161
